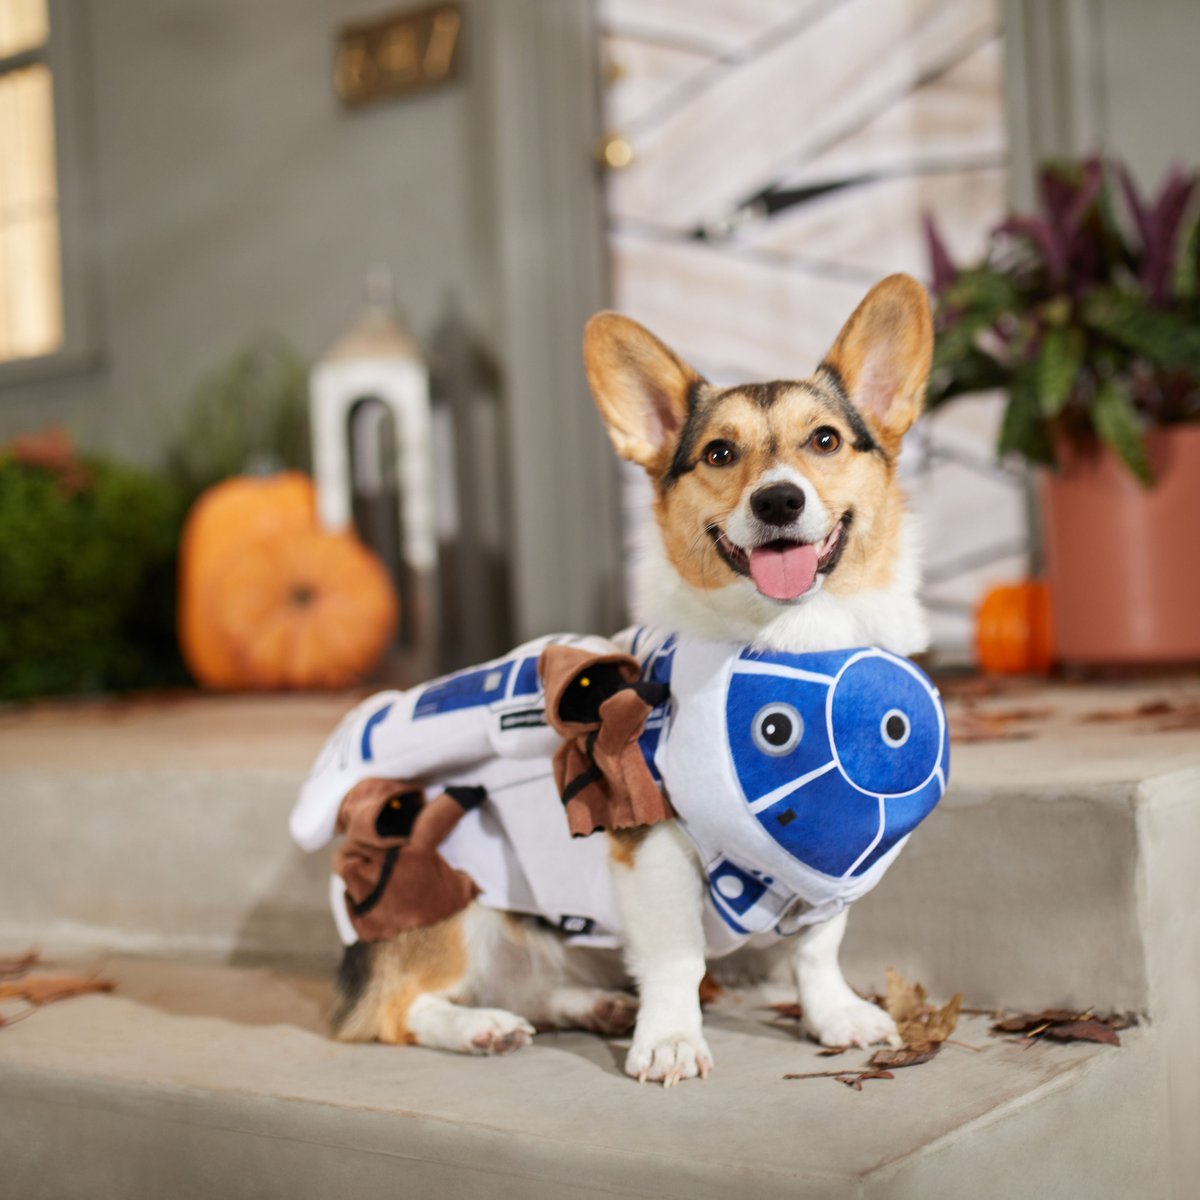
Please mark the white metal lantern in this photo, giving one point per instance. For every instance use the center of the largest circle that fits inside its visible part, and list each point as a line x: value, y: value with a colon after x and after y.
x: 373, y: 461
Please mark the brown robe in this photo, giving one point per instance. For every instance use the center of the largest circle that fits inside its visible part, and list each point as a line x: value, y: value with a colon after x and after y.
x: 395, y: 878
x: 599, y: 706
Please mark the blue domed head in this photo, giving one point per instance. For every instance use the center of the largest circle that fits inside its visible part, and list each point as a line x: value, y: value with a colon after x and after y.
x: 838, y: 755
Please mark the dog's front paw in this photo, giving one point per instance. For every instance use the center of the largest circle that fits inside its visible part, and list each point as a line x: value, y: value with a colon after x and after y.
x: 494, y: 1031
x: 847, y: 1021
x: 669, y: 1059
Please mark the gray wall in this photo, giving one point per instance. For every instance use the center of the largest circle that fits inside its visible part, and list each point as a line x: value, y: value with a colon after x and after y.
x: 232, y: 194
x: 1110, y: 75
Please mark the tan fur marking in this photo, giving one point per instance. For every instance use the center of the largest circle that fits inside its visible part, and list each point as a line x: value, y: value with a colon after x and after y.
x: 623, y: 845
x: 412, y: 964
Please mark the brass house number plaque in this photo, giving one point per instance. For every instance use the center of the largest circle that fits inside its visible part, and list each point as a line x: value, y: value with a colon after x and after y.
x: 393, y: 56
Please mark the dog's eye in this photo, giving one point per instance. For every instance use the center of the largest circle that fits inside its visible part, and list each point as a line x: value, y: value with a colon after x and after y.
x: 895, y: 728
x: 777, y: 729
x: 720, y: 454
x: 825, y: 440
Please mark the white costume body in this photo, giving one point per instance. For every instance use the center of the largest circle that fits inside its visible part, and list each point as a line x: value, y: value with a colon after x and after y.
x: 796, y: 777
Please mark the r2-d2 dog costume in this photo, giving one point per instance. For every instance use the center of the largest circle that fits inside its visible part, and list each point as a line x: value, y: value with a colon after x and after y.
x: 797, y: 777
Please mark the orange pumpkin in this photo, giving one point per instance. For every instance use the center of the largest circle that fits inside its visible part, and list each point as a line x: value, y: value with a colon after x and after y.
x: 230, y: 513
x: 310, y: 610
x: 1012, y: 630
x: 268, y: 601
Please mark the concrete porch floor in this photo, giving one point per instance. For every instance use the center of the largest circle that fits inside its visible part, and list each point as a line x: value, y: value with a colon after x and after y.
x: 1059, y: 870
x: 202, y: 1081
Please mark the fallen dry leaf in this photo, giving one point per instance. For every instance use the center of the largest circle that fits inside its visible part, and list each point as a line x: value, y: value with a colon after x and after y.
x: 856, y: 1081
x: 710, y: 990
x: 1168, y: 716
x: 1152, y: 708
x: 917, y: 1021
x: 905, y: 1056
x: 1027, y: 1021
x: 787, y: 1012
x: 42, y: 989
x: 832, y: 1051
x: 1083, y: 1031
x: 18, y: 964
x: 1064, y: 1025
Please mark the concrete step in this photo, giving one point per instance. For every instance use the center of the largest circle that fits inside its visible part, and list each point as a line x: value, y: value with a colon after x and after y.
x: 1056, y: 870
x: 203, y: 1081
x: 1059, y: 869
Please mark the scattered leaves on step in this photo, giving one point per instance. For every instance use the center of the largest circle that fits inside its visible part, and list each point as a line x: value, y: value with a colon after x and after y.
x: 905, y: 1056
x: 19, y: 964
x: 1065, y: 1025
x: 918, y: 1022
x: 787, y: 1012
x: 856, y: 1081
x: 44, y: 989
x: 831, y: 1051
x: 1168, y: 716
x: 710, y: 990
x: 970, y: 723
x: 924, y: 1027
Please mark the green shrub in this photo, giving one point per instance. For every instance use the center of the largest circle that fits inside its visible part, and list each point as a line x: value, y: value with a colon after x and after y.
x: 87, y: 581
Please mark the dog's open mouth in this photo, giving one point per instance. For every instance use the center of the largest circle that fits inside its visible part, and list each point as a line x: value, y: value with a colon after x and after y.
x: 784, y: 569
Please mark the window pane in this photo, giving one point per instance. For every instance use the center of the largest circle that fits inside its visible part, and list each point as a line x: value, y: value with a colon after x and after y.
x: 30, y: 290
x: 24, y: 24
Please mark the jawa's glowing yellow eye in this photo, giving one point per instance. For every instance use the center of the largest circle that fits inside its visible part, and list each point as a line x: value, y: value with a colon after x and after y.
x: 584, y: 681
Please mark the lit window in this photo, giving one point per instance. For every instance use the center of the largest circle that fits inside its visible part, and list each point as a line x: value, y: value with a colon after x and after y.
x: 31, y: 302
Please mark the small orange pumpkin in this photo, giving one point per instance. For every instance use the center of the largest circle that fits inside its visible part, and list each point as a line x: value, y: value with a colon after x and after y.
x: 267, y: 600
x: 1012, y: 630
x: 226, y: 516
x: 310, y: 610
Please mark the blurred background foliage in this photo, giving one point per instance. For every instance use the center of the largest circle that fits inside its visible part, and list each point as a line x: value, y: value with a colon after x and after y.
x: 248, y: 416
x: 1087, y: 313
x: 89, y: 547
x: 88, y: 563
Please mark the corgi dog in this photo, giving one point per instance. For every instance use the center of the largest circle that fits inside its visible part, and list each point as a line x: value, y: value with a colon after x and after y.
x: 778, y: 524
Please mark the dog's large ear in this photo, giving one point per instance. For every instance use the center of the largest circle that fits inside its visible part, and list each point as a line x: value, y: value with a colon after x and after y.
x: 640, y: 386
x: 881, y: 357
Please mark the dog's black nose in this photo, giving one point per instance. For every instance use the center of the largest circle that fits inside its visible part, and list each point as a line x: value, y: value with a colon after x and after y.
x: 778, y: 503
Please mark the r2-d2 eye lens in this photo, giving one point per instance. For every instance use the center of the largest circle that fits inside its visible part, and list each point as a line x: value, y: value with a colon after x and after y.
x: 777, y: 729
x: 895, y: 727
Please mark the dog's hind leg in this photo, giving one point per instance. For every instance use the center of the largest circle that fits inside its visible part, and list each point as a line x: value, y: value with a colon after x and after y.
x: 438, y: 1022
x: 403, y: 990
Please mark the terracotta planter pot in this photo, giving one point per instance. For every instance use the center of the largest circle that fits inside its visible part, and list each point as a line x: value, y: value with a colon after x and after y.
x: 1123, y: 561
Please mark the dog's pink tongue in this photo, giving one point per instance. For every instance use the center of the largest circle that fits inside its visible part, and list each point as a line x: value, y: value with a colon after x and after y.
x: 783, y: 574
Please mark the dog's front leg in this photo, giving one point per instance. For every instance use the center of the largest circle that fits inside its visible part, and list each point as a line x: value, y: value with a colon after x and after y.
x: 660, y: 893
x: 832, y: 1013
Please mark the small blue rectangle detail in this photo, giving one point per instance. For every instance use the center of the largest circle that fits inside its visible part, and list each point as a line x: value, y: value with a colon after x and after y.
x: 468, y: 689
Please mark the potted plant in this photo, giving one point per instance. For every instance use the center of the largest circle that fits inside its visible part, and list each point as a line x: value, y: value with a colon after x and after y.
x: 1088, y: 315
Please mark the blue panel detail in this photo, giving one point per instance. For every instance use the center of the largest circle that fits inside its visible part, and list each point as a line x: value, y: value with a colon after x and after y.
x: 528, y: 682
x: 901, y: 816
x: 828, y: 662
x: 736, y: 889
x: 875, y: 695
x: 468, y: 689
x: 723, y: 913
x: 369, y: 728
x: 760, y: 773
x: 826, y: 824
x: 657, y: 668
